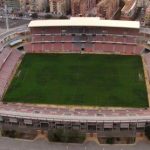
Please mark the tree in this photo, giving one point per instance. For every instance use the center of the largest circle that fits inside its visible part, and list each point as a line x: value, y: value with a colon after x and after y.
x: 75, y: 136
x: 34, y: 16
x: 147, y: 132
x: 55, y: 136
x: 110, y: 140
x: 66, y: 136
x: 63, y: 17
x: 48, y: 16
x: 20, y: 14
x: 47, y: 9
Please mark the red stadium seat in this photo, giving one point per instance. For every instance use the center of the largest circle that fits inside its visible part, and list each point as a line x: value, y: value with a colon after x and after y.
x: 7, y: 69
x: 67, y: 47
x: 67, y: 38
x: 131, y: 40
x: 119, y: 39
x: 119, y: 48
x: 57, y: 38
x: 48, y: 47
x: 57, y: 47
x: 36, y: 38
x: 48, y: 38
x: 4, y: 55
x: 76, y: 48
x: 37, y: 48
x: 98, y: 47
x: 105, y: 39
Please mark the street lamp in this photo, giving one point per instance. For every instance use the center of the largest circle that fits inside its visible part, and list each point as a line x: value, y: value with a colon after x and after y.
x: 6, y: 15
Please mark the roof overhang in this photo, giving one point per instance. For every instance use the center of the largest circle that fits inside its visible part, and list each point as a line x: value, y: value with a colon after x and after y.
x: 85, y: 22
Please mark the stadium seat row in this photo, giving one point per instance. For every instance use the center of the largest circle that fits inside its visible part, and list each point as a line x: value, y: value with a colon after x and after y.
x: 7, y: 69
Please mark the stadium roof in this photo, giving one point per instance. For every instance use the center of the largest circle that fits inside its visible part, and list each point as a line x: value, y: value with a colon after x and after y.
x: 85, y: 21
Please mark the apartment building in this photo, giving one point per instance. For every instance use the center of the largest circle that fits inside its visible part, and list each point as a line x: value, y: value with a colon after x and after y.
x: 82, y: 7
x: 59, y: 7
x: 147, y: 16
x: 12, y: 4
x: 129, y: 9
x: 107, y: 8
x: 1, y: 3
x: 33, y: 5
x: 24, y: 5
x: 102, y: 8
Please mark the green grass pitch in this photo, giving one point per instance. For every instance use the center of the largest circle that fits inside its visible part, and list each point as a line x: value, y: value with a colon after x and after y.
x: 75, y: 79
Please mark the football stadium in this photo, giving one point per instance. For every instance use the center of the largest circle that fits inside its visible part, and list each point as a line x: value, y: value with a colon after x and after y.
x: 80, y: 73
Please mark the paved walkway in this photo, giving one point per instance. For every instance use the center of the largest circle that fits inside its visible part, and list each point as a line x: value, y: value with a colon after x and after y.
x: 12, y: 144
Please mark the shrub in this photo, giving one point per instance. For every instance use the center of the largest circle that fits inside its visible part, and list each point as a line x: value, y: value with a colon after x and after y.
x: 60, y: 135
x: 110, y: 141
x: 147, y: 132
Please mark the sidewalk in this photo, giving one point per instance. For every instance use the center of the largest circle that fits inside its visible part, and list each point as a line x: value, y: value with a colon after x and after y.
x: 17, y: 144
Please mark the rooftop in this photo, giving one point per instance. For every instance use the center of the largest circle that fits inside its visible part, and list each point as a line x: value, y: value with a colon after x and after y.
x: 129, y: 5
x: 85, y: 21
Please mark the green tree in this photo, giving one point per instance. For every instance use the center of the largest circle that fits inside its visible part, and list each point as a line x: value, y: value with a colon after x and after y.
x: 147, y: 132
x: 63, y: 17
x: 66, y: 136
x: 47, y: 9
x: 110, y: 140
x: 34, y: 16
x: 48, y: 16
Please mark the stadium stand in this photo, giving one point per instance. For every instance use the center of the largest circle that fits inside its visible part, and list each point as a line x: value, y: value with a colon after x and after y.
x: 4, y: 55
x: 33, y: 116
x: 1, y: 47
x: 74, y: 36
x: 105, y: 37
x: 7, y: 68
x: 68, y: 47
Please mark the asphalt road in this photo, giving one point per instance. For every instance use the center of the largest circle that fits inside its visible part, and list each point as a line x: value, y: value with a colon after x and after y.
x: 13, y: 23
x: 2, y: 30
x: 11, y: 31
x: 4, y: 33
x: 15, y: 144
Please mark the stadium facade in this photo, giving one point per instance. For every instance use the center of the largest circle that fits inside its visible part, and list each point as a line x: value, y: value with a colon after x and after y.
x: 77, y: 35
x: 104, y: 122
